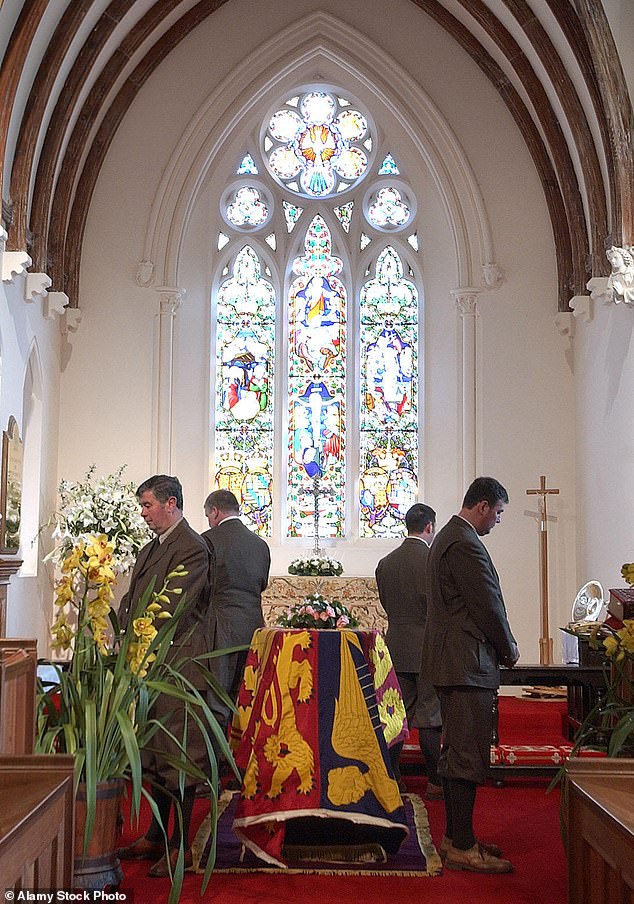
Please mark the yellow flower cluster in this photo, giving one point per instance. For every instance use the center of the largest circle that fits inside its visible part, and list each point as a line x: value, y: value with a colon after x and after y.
x: 138, y: 657
x: 86, y: 570
x: 627, y: 571
x: 621, y: 643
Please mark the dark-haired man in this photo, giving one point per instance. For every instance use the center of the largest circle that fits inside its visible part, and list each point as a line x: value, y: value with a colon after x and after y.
x: 401, y: 577
x: 176, y: 543
x: 242, y: 562
x: 467, y: 637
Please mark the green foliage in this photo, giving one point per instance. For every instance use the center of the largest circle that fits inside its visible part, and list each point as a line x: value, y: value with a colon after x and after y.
x: 101, y: 711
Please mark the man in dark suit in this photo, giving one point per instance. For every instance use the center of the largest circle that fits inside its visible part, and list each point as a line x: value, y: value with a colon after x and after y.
x: 242, y: 562
x: 400, y: 577
x: 467, y: 637
x: 176, y: 543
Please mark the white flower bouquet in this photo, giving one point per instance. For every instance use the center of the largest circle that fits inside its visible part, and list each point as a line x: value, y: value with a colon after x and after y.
x: 317, y: 566
x: 95, y: 507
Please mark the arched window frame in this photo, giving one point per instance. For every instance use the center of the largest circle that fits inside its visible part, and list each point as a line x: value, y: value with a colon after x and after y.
x: 345, y: 245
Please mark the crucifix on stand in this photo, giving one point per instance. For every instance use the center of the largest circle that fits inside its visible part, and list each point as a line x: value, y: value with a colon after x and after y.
x: 545, y: 641
x: 318, y: 491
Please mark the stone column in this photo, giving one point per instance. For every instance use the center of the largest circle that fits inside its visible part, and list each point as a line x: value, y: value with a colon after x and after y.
x: 467, y: 307
x: 169, y: 302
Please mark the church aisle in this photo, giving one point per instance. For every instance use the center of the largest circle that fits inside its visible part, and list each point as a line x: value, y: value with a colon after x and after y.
x: 520, y: 816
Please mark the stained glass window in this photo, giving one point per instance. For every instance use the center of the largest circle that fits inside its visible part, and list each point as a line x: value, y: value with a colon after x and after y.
x: 292, y: 213
x: 344, y: 215
x: 318, y: 142
x: 389, y: 398
x: 388, y: 209
x: 317, y: 382
x: 243, y: 400
x: 346, y: 413
x: 247, y: 166
x: 388, y: 167
x: 247, y: 208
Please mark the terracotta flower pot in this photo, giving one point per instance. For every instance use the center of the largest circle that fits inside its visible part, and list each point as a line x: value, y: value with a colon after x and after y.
x: 99, y: 867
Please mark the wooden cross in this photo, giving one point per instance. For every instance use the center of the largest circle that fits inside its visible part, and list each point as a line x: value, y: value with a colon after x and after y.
x: 545, y: 641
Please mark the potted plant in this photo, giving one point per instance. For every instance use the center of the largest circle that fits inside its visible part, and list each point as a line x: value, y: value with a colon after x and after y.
x: 100, y: 705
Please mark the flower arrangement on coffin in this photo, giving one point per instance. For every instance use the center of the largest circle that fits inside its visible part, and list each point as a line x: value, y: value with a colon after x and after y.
x: 316, y: 566
x: 317, y: 612
x: 96, y: 506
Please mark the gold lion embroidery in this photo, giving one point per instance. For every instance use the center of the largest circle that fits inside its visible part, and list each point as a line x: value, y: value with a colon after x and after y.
x: 286, y: 750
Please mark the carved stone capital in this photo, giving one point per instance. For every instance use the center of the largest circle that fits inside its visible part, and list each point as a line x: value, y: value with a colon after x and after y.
x: 621, y: 279
x: 55, y: 304
x: 145, y: 273
x: 70, y: 320
x: 492, y: 276
x: 466, y: 301
x: 170, y: 299
x: 599, y: 289
x: 36, y: 285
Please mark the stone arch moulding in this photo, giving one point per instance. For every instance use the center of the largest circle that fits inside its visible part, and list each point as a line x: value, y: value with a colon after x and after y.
x: 332, y: 44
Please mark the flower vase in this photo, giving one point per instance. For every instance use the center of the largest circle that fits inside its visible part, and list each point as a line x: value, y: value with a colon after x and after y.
x: 99, y: 867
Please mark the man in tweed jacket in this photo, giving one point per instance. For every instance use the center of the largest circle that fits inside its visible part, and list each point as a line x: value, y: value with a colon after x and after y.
x: 467, y: 638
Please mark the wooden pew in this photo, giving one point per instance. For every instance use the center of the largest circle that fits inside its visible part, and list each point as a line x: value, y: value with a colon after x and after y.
x: 36, y: 822
x: 18, y: 668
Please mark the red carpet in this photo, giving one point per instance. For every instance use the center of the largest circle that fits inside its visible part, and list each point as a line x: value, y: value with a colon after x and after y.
x: 520, y: 817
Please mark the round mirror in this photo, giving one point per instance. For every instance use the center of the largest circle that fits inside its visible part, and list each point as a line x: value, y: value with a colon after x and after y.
x: 588, y: 603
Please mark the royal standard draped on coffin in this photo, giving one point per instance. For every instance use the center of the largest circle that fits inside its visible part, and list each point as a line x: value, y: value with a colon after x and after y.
x: 317, y: 713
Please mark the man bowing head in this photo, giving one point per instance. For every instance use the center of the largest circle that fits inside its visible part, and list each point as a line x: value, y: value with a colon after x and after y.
x: 176, y: 543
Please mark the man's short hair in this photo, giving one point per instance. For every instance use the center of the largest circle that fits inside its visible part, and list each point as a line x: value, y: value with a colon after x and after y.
x: 418, y: 517
x: 485, y: 489
x: 224, y: 501
x: 163, y: 487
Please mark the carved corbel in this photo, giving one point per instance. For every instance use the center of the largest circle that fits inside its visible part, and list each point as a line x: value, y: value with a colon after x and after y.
x: 492, y: 276
x: 69, y: 322
x: 565, y: 324
x: 621, y: 279
x: 14, y: 263
x: 145, y: 273
x: 583, y: 306
x: 36, y: 284
x: 55, y: 303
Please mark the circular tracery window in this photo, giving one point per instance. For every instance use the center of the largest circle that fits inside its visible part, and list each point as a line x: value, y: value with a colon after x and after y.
x: 317, y: 145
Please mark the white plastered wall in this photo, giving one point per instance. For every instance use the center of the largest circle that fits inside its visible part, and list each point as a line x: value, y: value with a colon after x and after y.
x: 30, y: 335
x: 525, y: 384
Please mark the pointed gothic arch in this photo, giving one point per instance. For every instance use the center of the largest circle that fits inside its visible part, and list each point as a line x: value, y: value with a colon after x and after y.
x: 336, y: 52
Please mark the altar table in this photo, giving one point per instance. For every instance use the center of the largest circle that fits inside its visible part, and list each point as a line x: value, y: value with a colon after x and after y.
x: 317, y: 712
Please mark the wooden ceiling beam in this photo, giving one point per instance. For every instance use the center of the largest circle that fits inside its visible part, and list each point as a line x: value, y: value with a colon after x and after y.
x: 591, y: 40
x: 71, y: 209
x: 33, y: 118
x: 578, y: 126
x: 49, y: 170
x: 566, y: 247
x: 12, y: 66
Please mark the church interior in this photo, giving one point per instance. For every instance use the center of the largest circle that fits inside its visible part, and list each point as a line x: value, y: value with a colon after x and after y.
x: 443, y: 289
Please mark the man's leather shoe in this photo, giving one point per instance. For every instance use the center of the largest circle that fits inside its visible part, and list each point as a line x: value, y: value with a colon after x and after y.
x: 434, y: 792
x: 487, y: 846
x: 476, y: 860
x: 160, y: 870
x: 141, y: 849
